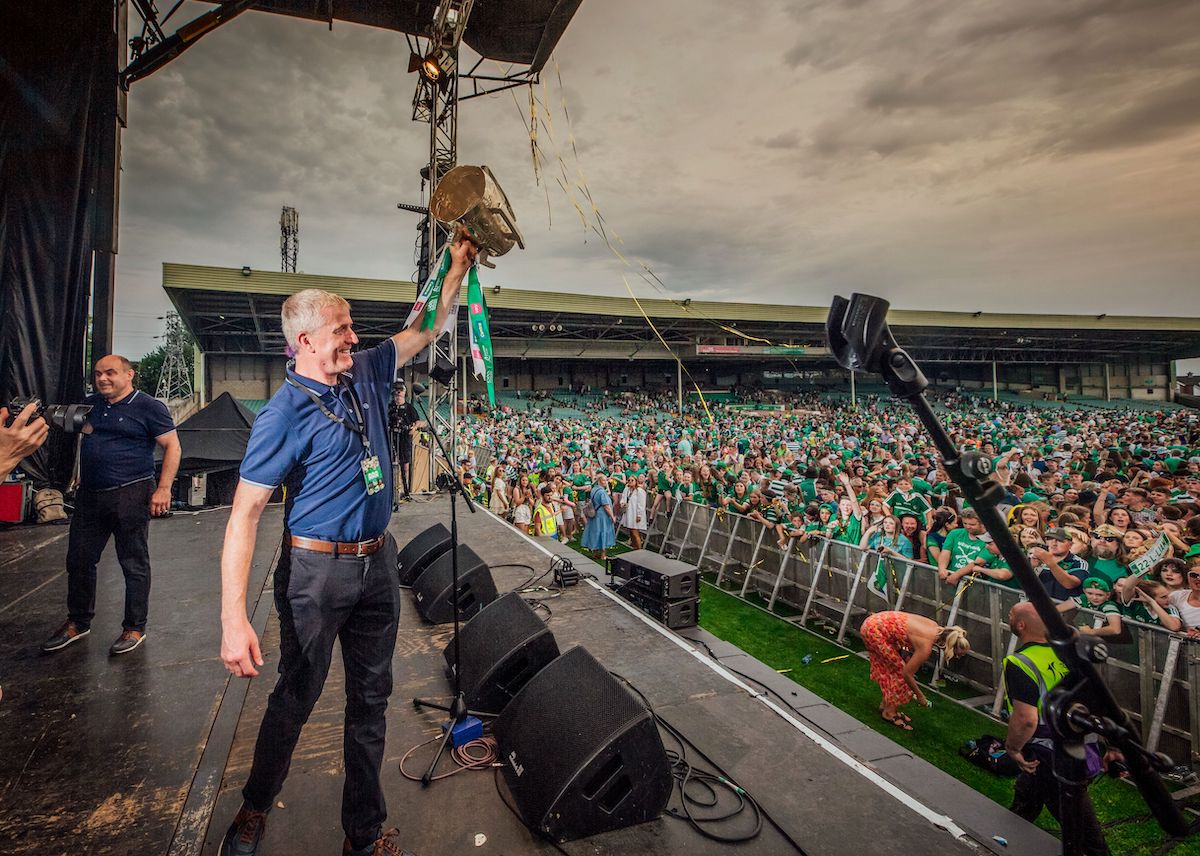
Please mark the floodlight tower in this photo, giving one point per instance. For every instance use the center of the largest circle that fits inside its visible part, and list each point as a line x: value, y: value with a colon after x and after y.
x: 289, y: 239
x: 436, y: 102
x: 175, y: 380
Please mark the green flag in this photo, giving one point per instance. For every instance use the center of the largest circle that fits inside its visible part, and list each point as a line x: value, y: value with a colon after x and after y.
x: 481, y: 336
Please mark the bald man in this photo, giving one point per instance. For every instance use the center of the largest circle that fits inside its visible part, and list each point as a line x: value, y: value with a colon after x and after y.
x: 1029, y: 674
x: 117, y: 496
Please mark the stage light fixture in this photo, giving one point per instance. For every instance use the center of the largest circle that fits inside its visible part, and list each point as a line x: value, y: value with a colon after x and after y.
x: 495, y: 289
x: 246, y: 270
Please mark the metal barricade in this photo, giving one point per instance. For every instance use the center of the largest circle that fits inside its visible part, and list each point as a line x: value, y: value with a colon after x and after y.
x: 1152, y: 671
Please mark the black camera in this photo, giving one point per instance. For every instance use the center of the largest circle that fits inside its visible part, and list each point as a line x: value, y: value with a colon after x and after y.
x: 65, y: 417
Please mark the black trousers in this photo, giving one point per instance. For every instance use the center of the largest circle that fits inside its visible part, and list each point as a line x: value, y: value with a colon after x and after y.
x: 124, y: 515
x: 1040, y: 788
x: 321, y: 598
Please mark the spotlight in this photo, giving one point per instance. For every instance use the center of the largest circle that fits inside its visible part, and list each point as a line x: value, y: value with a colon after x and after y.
x: 495, y: 289
x: 429, y: 67
x: 442, y: 371
x: 687, y: 301
x: 976, y: 314
x: 245, y: 270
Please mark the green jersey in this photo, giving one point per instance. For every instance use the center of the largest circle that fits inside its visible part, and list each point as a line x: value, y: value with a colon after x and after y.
x: 964, y: 549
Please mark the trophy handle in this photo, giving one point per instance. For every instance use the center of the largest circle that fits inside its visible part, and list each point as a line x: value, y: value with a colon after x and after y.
x: 512, y: 227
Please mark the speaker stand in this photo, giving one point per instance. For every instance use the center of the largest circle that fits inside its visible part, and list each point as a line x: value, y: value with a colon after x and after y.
x: 458, y: 706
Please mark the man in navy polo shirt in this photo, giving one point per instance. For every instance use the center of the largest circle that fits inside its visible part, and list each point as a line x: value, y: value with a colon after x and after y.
x: 117, y: 496
x: 324, y: 436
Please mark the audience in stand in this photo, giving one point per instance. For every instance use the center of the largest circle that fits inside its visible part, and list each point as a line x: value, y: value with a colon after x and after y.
x: 1107, y: 494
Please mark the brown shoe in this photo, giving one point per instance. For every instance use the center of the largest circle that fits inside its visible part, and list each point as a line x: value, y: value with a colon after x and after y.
x: 127, y: 641
x: 244, y: 833
x: 65, y: 635
x: 384, y: 846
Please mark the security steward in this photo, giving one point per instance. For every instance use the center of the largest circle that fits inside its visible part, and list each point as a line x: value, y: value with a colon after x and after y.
x: 544, y: 524
x: 117, y: 496
x: 324, y: 436
x: 1029, y: 674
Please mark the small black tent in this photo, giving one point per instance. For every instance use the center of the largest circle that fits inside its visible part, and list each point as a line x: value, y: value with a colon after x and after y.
x: 213, y: 441
x: 215, y: 438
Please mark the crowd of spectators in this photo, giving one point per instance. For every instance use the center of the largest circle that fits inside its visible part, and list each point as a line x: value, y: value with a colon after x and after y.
x: 1106, y: 501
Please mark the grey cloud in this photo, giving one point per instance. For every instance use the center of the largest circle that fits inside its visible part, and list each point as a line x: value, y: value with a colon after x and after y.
x: 929, y: 148
x: 784, y: 140
x: 1159, y: 115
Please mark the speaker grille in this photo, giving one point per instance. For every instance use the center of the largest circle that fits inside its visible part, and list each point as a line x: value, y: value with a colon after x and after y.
x: 582, y: 754
x: 432, y: 590
x: 501, y: 648
x: 421, y: 551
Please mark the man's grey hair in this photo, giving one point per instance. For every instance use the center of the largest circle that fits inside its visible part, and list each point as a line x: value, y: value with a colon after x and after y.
x: 303, y: 312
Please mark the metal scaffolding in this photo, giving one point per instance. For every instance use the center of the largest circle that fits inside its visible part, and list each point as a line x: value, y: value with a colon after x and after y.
x: 175, y: 380
x: 289, y: 239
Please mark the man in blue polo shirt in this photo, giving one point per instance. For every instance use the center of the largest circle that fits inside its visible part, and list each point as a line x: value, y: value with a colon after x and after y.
x: 117, y: 496
x: 324, y: 436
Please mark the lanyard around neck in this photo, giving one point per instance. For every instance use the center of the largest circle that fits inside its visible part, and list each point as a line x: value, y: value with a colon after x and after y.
x: 358, y: 424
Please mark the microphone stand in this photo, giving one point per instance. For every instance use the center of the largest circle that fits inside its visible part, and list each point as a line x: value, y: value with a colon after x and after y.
x: 458, y: 706
x: 1081, y: 704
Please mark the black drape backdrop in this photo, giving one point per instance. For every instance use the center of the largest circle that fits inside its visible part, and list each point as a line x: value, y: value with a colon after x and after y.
x: 53, y: 54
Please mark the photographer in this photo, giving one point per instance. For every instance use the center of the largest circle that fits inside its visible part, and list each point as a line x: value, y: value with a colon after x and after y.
x: 402, y: 419
x: 21, y: 439
x: 116, y: 499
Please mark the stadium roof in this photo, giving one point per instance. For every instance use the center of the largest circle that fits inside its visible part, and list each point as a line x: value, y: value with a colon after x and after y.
x: 229, y: 311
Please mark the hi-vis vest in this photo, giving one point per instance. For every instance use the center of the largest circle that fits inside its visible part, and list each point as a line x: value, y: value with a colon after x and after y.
x: 1044, y: 668
x: 544, y: 522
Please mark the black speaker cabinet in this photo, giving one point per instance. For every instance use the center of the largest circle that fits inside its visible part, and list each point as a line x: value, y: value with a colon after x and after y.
x: 581, y: 753
x: 419, y: 553
x: 501, y: 649
x: 433, y: 589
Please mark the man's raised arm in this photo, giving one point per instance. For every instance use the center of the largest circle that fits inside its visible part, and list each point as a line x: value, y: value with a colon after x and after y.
x: 413, y: 339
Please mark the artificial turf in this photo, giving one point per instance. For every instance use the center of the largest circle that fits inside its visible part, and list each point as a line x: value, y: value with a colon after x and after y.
x: 937, y: 732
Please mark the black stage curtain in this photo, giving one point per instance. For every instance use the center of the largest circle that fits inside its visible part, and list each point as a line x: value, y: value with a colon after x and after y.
x: 53, y: 53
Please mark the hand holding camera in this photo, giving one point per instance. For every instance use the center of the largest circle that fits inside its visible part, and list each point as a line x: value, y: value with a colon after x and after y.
x: 23, y: 432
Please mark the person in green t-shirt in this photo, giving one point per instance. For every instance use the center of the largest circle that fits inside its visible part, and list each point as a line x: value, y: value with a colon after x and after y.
x: 904, y: 500
x: 847, y: 523
x: 1151, y: 604
x: 964, y: 551
x: 1107, y: 553
x: 1097, y: 597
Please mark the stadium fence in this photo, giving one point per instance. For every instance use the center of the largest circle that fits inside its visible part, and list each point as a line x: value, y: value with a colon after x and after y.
x: 1151, y: 670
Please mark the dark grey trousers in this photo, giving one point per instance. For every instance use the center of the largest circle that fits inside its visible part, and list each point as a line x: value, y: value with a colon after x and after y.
x: 320, y: 598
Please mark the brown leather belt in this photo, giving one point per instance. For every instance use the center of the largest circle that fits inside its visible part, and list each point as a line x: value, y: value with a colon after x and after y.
x: 338, y: 548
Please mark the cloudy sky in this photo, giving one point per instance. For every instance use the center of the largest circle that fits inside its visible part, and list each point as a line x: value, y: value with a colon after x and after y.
x: 960, y: 154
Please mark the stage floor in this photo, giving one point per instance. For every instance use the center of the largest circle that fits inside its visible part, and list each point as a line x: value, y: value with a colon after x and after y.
x: 147, y: 753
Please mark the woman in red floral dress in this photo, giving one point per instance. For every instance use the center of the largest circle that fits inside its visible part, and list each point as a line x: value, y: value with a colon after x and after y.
x: 898, y: 644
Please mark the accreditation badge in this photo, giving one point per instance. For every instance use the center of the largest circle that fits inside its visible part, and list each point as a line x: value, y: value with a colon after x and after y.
x: 372, y: 474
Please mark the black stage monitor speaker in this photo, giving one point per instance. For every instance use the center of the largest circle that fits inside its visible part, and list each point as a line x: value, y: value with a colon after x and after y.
x: 501, y: 648
x: 433, y: 589
x: 419, y: 553
x: 581, y: 753
x: 667, y: 577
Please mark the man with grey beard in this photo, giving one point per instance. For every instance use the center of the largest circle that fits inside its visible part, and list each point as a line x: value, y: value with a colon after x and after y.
x: 1108, y: 558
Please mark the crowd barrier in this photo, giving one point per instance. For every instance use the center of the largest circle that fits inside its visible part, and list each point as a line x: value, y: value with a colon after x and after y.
x: 1150, y: 670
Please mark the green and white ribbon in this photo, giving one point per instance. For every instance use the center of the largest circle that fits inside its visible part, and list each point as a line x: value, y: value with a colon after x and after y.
x: 427, y: 300
x: 481, y: 336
